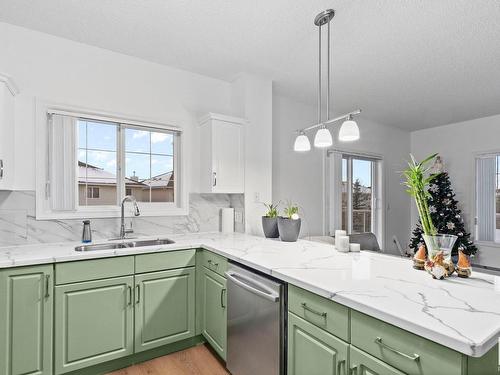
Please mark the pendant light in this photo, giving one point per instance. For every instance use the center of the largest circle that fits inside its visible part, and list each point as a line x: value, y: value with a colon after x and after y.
x: 349, y: 130
x: 302, y: 143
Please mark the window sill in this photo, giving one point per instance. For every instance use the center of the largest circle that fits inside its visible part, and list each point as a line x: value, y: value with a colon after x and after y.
x: 112, y: 212
x: 487, y: 244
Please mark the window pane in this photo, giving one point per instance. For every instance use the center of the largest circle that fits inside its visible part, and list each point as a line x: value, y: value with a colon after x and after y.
x: 344, y: 194
x: 101, y: 136
x: 361, y: 196
x: 162, y: 143
x: 150, y: 175
x: 97, y: 164
x: 137, y: 140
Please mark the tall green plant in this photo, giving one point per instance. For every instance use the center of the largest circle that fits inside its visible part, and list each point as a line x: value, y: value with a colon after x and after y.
x: 417, y: 179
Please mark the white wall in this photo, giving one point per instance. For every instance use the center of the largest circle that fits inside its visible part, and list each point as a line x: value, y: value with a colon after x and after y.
x: 299, y: 176
x: 252, y: 99
x: 63, y: 71
x: 457, y: 143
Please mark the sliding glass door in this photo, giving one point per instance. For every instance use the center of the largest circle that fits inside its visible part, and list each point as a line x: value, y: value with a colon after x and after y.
x: 358, y: 198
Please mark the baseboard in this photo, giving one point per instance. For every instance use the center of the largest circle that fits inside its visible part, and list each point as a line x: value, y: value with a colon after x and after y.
x: 133, y: 359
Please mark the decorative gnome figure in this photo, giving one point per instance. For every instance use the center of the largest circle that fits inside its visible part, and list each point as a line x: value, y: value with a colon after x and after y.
x: 419, y: 258
x: 463, y: 266
x: 437, y: 267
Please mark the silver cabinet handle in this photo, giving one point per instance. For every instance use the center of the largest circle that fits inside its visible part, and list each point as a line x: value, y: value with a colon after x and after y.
x: 129, y: 295
x: 138, y: 290
x: 307, y: 308
x: 263, y: 292
x: 413, y: 357
x: 1, y: 169
x: 222, y: 292
x: 341, y: 364
x: 214, y: 179
x: 47, y: 286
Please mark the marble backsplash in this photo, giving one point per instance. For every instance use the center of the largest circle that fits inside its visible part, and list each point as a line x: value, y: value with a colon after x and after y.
x: 18, y: 225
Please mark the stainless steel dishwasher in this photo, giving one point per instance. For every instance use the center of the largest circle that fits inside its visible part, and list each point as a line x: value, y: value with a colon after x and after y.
x: 256, y: 334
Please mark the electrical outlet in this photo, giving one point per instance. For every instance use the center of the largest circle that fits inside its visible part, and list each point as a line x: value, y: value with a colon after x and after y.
x: 238, y: 217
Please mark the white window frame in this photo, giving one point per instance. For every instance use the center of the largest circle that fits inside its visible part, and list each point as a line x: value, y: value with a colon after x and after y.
x: 43, y: 209
x: 474, y: 223
x: 334, y: 197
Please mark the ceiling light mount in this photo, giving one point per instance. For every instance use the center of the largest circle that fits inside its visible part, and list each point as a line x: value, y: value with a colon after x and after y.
x: 324, y: 17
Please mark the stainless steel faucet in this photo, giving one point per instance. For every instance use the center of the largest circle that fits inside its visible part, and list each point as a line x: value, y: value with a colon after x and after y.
x: 123, y: 231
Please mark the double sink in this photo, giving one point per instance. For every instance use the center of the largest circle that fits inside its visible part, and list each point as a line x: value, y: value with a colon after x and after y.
x: 124, y: 245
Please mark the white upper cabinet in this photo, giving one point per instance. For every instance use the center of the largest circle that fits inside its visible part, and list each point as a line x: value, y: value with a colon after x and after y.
x: 8, y: 91
x: 222, y: 154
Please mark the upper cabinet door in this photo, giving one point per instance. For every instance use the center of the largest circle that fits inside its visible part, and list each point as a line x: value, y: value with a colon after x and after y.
x: 26, y: 321
x: 222, y: 154
x: 7, y: 92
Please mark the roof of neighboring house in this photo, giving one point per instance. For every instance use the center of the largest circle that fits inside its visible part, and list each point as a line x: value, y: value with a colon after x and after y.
x: 93, y: 175
x: 161, y: 181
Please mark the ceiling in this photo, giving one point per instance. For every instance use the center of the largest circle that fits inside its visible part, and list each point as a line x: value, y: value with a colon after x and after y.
x: 407, y: 63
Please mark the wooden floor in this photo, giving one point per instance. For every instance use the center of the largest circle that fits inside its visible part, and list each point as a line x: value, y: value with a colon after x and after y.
x: 198, y: 360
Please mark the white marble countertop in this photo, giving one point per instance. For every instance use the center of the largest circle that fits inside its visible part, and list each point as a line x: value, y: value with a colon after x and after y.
x: 463, y: 314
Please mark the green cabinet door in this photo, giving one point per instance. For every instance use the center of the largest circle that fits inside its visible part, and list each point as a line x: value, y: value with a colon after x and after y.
x: 312, y: 351
x: 364, y: 364
x: 26, y: 301
x: 93, y: 322
x: 214, y: 312
x: 164, y: 307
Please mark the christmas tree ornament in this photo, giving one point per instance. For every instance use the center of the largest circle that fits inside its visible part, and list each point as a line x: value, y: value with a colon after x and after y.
x: 432, y: 209
x: 450, y: 225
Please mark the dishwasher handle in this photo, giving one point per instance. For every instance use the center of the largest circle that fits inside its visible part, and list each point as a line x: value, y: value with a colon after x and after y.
x: 266, y: 293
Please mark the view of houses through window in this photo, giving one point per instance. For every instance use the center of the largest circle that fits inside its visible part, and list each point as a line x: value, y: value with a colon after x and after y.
x: 357, y: 194
x: 147, y: 155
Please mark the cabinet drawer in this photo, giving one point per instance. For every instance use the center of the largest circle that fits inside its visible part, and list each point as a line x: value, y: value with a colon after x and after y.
x: 326, y: 314
x: 95, y: 269
x: 213, y: 262
x: 164, y: 261
x: 401, y: 349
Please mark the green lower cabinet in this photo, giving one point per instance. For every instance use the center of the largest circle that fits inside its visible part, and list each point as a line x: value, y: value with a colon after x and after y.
x: 26, y: 302
x: 214, y: 313
x: 312, y: 351
x: 94, y: 322
x: 362, y: 363
x: 164, y: 307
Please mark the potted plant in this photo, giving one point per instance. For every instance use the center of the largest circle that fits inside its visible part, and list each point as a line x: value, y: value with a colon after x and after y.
x: 417, y: 178
x: 289, y: 225
x: 270, y: 221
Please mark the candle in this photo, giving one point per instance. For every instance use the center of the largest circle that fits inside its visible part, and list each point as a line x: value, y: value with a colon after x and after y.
x: 339, y: 233
x: 355, y: 247
x: 342, y: 244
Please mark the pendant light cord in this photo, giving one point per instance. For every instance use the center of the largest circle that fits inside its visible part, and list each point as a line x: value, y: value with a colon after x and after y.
x: 319, y: 75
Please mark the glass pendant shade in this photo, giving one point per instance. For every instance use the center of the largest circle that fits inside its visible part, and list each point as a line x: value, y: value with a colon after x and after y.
x: 349, y: 131
x: 302, y: 143
x: 323, y: 138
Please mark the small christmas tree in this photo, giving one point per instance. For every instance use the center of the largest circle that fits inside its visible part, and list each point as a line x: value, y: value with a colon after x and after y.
x: 445, y: 215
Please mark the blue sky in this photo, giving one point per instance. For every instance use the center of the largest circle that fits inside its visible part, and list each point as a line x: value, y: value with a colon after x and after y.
x: 361, y: 169
x: 147, y: 154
